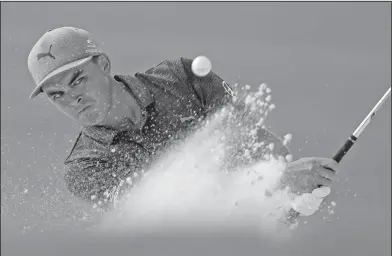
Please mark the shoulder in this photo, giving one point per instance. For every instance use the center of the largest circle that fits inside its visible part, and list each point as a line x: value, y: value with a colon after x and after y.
x: 181, y: 61
x: 180, y: 66
x: 172, y: 73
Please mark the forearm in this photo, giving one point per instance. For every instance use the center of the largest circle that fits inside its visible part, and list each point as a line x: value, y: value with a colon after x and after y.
x: 276, y: 145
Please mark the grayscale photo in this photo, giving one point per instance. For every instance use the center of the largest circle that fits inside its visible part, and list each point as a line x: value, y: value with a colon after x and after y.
x: 196, y: 128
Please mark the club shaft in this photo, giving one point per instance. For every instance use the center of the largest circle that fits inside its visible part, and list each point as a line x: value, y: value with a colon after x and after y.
x: 350, y: 141
x: 353, y: 138
x: 372, y: 113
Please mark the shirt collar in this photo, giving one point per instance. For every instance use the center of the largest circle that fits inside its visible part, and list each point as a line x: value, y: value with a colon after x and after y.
x: 142, y: 95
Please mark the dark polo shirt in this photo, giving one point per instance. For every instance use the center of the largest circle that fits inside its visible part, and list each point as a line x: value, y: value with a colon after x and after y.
x: 173, y: 101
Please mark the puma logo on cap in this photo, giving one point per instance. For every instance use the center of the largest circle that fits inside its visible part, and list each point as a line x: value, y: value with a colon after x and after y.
x: 46, y: 54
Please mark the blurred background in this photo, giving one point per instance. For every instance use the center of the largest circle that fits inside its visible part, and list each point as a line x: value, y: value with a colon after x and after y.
x: 327, y: 64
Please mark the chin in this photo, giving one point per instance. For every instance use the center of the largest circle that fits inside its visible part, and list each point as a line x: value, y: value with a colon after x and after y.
x: 94, y: 118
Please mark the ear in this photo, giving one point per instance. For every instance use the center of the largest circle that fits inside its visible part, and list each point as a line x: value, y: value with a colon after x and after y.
x: 103, y: 63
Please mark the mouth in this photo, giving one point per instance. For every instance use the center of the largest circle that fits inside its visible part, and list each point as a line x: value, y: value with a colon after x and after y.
x: 84, y: 110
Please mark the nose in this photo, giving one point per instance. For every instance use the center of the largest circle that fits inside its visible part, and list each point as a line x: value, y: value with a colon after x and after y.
x: 75, y: 96
x: 75, y: 100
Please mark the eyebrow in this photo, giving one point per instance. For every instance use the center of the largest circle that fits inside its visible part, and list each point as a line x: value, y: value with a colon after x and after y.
x: 75, y: 75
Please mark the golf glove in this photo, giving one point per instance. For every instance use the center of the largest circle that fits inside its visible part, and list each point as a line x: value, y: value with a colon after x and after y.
x: 309, y: 203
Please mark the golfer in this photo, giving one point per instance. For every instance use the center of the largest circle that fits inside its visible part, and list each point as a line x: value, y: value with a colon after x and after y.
x: 128, y: 120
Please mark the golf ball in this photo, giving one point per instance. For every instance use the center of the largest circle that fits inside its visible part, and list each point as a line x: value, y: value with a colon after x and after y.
x: 201, y: 66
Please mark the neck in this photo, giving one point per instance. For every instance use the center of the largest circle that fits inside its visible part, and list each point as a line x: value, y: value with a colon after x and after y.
x: 125, y: 112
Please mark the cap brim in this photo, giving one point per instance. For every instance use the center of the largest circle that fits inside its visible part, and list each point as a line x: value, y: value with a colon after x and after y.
x: 55, y: 72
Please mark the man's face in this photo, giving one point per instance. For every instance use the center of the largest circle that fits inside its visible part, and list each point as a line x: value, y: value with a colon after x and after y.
x: 82, y: 93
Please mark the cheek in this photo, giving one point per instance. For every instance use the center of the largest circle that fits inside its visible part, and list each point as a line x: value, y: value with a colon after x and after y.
x: 65, y: 110
x: 100, y: 92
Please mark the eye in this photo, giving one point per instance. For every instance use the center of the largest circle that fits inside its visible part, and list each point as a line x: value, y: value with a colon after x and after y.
x: 56, y: 95
x: 78, y: 81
